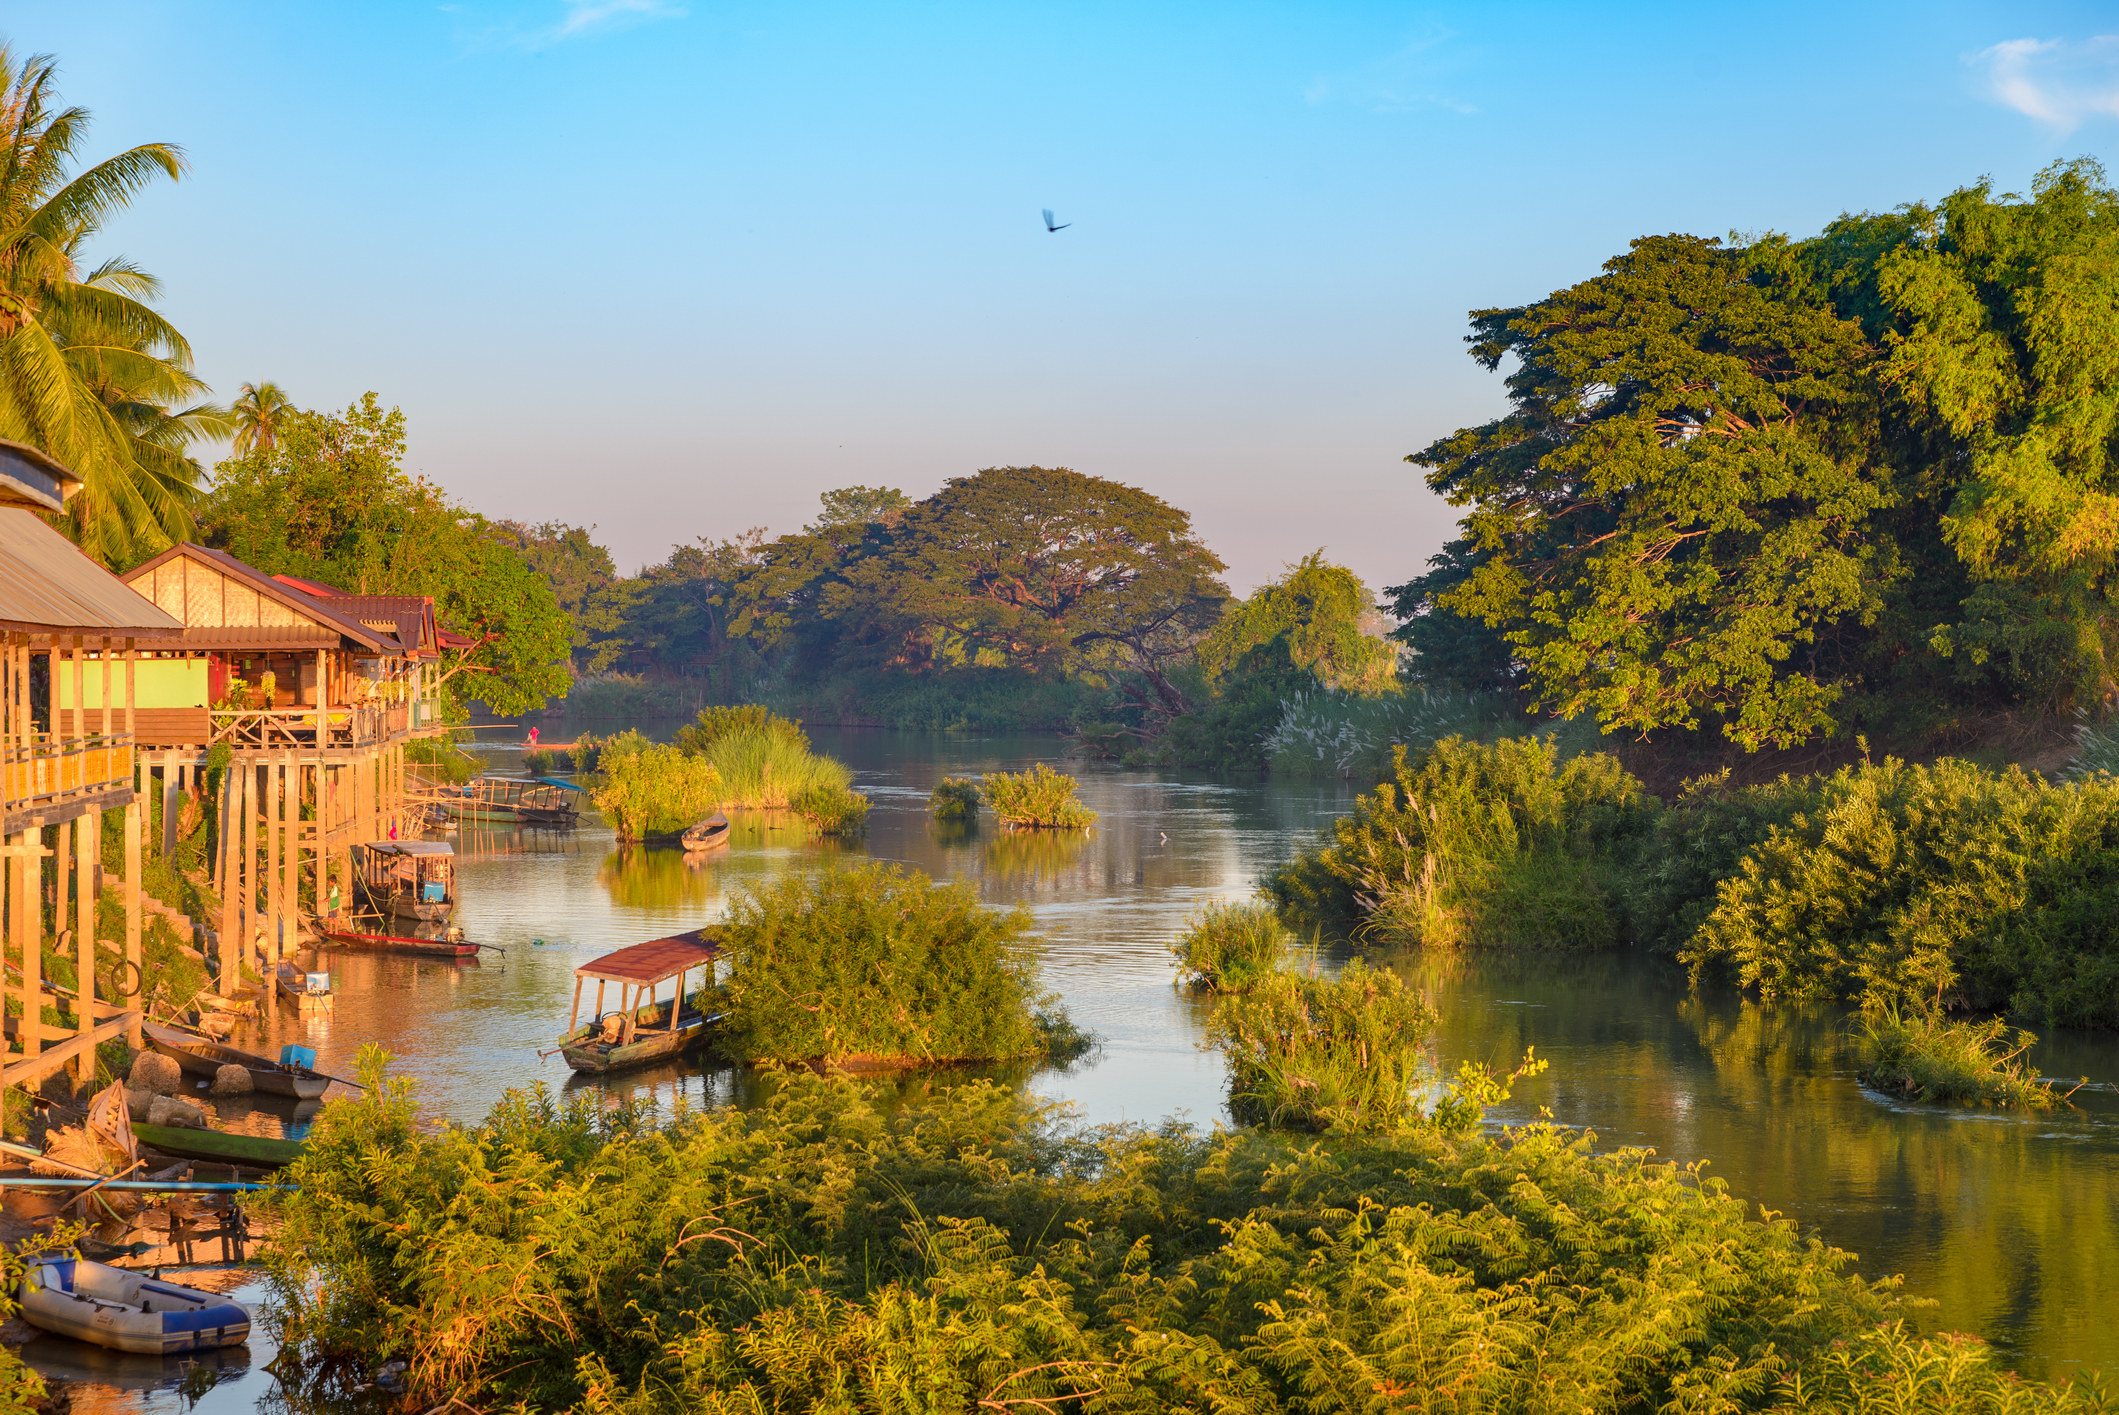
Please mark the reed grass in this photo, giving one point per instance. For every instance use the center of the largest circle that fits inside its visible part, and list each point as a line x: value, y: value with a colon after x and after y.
x: 955, y: 798
x: 877, y: 964
x: 1312, y: 1052
x: 715, y: 723
x: 768, y: 768
x: 1039, y: 798
x: 1226, y: 947
x: 651, y: 789
x: 1925, y: 1058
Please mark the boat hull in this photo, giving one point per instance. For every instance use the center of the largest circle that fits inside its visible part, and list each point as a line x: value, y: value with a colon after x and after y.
x: 397, y: 943
x: 403, y: 907
x: 261, y: 1151
x: 128, y: 1311
x: 205, y: 1058
x: 586, y: 1054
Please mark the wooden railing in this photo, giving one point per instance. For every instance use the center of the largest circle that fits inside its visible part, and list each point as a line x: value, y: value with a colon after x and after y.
x: 268, y: 728
x: 54, y: 769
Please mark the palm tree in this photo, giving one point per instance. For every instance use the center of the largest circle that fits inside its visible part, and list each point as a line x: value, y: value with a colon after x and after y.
x: 260, y: 411
x: 89, y: 372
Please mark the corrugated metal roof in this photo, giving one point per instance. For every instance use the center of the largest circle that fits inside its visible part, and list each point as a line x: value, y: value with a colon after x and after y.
x: 243, y: 636
x: 654, y: 960
x: 47, y: 583
x: 258, y: 580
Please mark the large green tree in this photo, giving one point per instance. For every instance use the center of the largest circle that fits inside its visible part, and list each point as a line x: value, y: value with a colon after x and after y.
x: 330, y: 500
x: 89, y: 371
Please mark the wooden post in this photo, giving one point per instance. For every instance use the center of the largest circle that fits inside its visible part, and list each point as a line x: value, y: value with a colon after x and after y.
x: 291, y: 850
x: 225, y: 857
x: 132, y: 921
x: 323, y: 702
x: 28, y: 923
x: 274, y: 905
x: 88, y: 855
x: 574, y: 1016
x: 109, y: 724
x: 172, y: 805
x: 249, y: 874
x: 132, y: 655
x: 81, y: 687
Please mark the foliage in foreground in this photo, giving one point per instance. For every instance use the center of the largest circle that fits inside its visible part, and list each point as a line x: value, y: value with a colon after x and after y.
x: 1947, y: 885
x: 955, y: 798
x: 1038, y: 797
x: 1228, y: 946
x: 877, y: 964
x: 653, y: 789
x: 1925, y: 1058
x: 1487, y: 844
x: 835, y: 1248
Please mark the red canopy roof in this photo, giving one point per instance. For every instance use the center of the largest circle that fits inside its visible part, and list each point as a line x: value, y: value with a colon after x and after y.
x: 654, y: 960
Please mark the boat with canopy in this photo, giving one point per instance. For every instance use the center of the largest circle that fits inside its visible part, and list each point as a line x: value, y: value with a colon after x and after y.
x: 408, y: 879
x: 644, y: 1027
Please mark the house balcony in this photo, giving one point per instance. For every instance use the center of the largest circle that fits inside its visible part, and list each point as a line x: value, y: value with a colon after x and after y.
x: 308, y: 729
x: 48, y: 780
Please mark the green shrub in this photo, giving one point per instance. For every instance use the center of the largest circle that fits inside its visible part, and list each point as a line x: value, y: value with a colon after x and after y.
x: 1925, y: 1058
x: 1039, y: 797
x: 1226, y: 947
x: 768, y: 768
x: 1492, y: 845
x: 833, y: 1247
x: 440, y: 759
x: 955, y: 798
x: 877, y: 963
x: 1311, y: 1052
x: 1938, y: 887
x: 714, y: 723
x: 655, y: 790
x: 833, y: 810
x: 1701, y: 839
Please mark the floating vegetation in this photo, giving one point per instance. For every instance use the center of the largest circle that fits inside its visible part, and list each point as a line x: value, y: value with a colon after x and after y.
x: 955, y: 798
x: 878, y: 965
x: 1040, y: 798
x: 650, y: 789
x: 833, y: 810
x: 1928, y: 1058
x: 1228, y: 946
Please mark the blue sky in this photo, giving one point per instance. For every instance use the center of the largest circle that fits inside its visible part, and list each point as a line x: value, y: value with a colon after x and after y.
x: 675, y: 268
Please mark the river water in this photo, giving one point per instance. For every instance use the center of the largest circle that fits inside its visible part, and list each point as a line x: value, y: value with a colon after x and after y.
x: 2009, y: 1224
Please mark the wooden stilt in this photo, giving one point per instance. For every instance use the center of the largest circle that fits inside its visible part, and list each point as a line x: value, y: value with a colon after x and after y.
x: 88, y: 851
x: 275, y: 906
x: 134, y: 978
x: 291, y: 850
x: 247, y: 872
x: 230, y: 831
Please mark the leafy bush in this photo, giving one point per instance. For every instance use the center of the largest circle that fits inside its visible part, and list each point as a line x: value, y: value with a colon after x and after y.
x: 956, y: 798
x: 1928, y: 1059
x: 1039, y: 797
x: 833, y: 810
x: 1493, y: 845
x: 441, y: 759
x: 768, y: 768
x: 1700, y: 840
x: 654, y: 789
x: 812, y: 1250
x: 877, y: 963
x: 1226, y: 947
x: 1938, y: 886
x: 714, y: 723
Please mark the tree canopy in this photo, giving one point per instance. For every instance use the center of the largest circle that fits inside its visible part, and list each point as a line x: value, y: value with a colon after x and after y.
x: 330, y: 500
x: 1751, y: 485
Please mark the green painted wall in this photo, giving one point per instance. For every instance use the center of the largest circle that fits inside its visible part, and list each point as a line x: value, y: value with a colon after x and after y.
x: 156, y: 683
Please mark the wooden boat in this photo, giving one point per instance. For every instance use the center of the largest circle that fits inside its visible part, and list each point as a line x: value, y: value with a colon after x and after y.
x: 450, y: 945
x: 300, y: 988
x: 643, y: 1029
x: 263, y: 1151
x: 408, y: 879
x: 527, y: 801
x: 128, y: 1310
x: 709, y: 834
x: 203, y: 1057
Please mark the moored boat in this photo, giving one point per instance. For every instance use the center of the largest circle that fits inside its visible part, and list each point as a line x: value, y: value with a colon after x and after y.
x: 450, y: 945
x: 128, y: 1310
x: 309, y: 992
x: 203, y: 1057
x: 408, y: 879
x: 643, y: 1028
x: 186, y: 1142
x: 709, y: 834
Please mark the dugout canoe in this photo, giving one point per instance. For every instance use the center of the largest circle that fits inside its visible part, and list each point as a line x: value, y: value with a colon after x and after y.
x: 203, y: 1057
x: 261, y: 1151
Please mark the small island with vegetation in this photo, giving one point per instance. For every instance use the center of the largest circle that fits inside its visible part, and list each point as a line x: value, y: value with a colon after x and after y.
x: 1037, y: 799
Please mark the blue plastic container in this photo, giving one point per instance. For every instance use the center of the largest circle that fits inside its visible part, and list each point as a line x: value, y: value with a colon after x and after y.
x: 304, y: 1057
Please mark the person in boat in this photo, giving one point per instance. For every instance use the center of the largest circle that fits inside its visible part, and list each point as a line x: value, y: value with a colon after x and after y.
x: 331, y: 903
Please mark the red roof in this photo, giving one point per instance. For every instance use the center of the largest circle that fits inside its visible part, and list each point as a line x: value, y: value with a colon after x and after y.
x: 655, y: 960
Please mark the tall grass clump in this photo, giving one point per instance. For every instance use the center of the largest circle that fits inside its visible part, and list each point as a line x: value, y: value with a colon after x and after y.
x: 651, y: 789
x: 833, y: 810
x: 765, y: 761
x: 1039, y: 797
x: 1228, y: 946
x: 1326, y: 732
x: 1926, y: 1058
x: 877, y: 964
x: 810, y: 1250
x: 955, y: 798
x: 713, y: 723
x: 1475, y: 844
x: 1936, y: 887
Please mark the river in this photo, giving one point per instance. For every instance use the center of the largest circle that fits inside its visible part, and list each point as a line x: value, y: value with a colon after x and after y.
x: 2009, y: 1224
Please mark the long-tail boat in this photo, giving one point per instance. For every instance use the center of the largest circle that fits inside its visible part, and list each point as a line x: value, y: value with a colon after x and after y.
x: 408, y: 879
x: 643, y: 1028
x: 203, y: 1057
x: 190, y: 1143
x: 449, y: 945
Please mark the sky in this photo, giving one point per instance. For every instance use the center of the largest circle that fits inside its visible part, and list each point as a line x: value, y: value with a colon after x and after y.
x: 674, y: 269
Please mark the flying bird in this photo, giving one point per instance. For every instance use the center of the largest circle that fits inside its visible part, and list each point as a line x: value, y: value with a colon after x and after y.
x: 1049, y: 227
